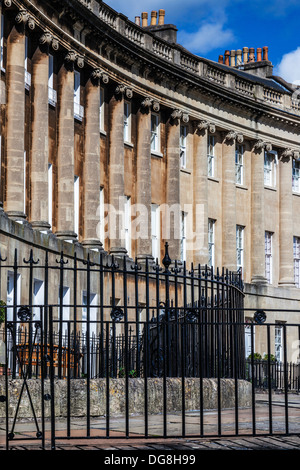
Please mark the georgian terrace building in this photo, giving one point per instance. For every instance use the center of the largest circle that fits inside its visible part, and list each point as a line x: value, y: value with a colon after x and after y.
x: 100, y: 113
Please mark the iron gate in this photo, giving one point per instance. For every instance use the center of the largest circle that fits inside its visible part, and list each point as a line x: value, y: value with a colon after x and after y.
x: 160, y: 352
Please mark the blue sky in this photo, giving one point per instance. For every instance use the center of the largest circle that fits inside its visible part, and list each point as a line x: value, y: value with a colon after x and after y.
x: 208, y: 27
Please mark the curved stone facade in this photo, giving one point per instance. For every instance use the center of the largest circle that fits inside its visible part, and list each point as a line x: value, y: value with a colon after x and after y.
x: 100, y: 113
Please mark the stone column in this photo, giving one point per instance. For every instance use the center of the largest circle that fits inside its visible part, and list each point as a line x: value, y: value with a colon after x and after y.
x: 286, y: 258
x: 15, y: 112
x: 172, y: 215
x: 39, y: 137
x: 116, y: 171
x: 200, y: 193
x: 258, y: 269
x: 229, y: 200
x: 65, y: 149
x: 91, y: 166
x: 143, y: 179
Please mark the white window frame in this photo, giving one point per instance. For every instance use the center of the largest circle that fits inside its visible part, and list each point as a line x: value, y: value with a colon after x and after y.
x: 239, y: 164
x: 93, y: 313
x: 211, y: 242
x: 65, y: 307
x: 155, y: 231
x: 24, y: 182
x: 155, y: 133
x: 27, y: 74
x: 183, y: 236
x: 270, y: 167
x: 183, y: 146
x: 210, y: 155
x: 268, y: 256
x: 10, y: 293
x: 240, y: 247
x: 2, y: 44
x: 38, y: 298
x: 101, y: 216
x: 127, y: 121
x: 127, y: 224
x: 76, y: 204
x: 296, y: 176
x: 296, y: 251
x: 278, y: 342
x: 78, y: 109
x: 50, y: 193
x: 102, y: 109
x: 52, y: 95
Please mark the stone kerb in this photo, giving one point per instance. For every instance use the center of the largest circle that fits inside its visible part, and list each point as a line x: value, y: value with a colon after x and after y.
x: 117, y: 396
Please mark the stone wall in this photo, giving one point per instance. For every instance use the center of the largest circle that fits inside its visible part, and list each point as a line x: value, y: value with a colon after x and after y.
x: 117, y: 396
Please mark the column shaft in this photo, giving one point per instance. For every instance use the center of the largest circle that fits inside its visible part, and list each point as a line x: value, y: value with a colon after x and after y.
x: 286, y: 264
x: 39, y: 142
x: 116, y: 175
x: 65, y: 154
x: 200, y: 194
x: 173, y: 189
x: 257, y: 218
x: 91, y: 167
x: 15, y: 112
x: 229, y: 205
x: 143, y: 180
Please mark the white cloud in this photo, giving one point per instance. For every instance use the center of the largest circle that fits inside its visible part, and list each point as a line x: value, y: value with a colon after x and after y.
x: 208, y: 37
x: 289, y: 67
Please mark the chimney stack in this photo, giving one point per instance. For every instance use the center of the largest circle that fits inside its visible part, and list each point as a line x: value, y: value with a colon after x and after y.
x: 144, y: 19
x: 221, y: 59
x: 258, y: 54
x: 161, y: 17
x: 153, y: 18
x: 138, y: 20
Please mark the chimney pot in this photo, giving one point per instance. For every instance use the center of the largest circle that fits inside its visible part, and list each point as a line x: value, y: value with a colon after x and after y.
x: 265, y: 53
x: 227, y: 55
x: 144, y: 19
x: 153, y: 18
x: 138, y: 20
x: 245, y: 54
x: 232, y: 58
x: 251, y: 54
x: 161, y: 16
x: 258, y: 54
x: 238, y: 57
x: 221, y: 59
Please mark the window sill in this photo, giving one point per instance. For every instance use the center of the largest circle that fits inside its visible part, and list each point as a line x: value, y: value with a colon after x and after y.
x: 271, y: 188
x: 156, y: 154
x: 212, y: 178
x: 103, y: 132
x: 241, y: 186
x: 128, y: 144
x: 185, y: 170
x: 296, y: 194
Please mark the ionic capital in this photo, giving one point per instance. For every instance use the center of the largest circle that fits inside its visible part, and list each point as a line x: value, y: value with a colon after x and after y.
x: 286, y: 154
x: 205, y: 126
x: 156, y: 106
x: 72, y: 58
x: 124, y: 90
x: 230, y: 136
x: 46, y: 39
x: 24, y: 18
x: 147, y: 103
x: 296, y: 154
x: 176, y: 114
x: 7, y: 3
x: 260, y: 145
x: 97, y: 75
